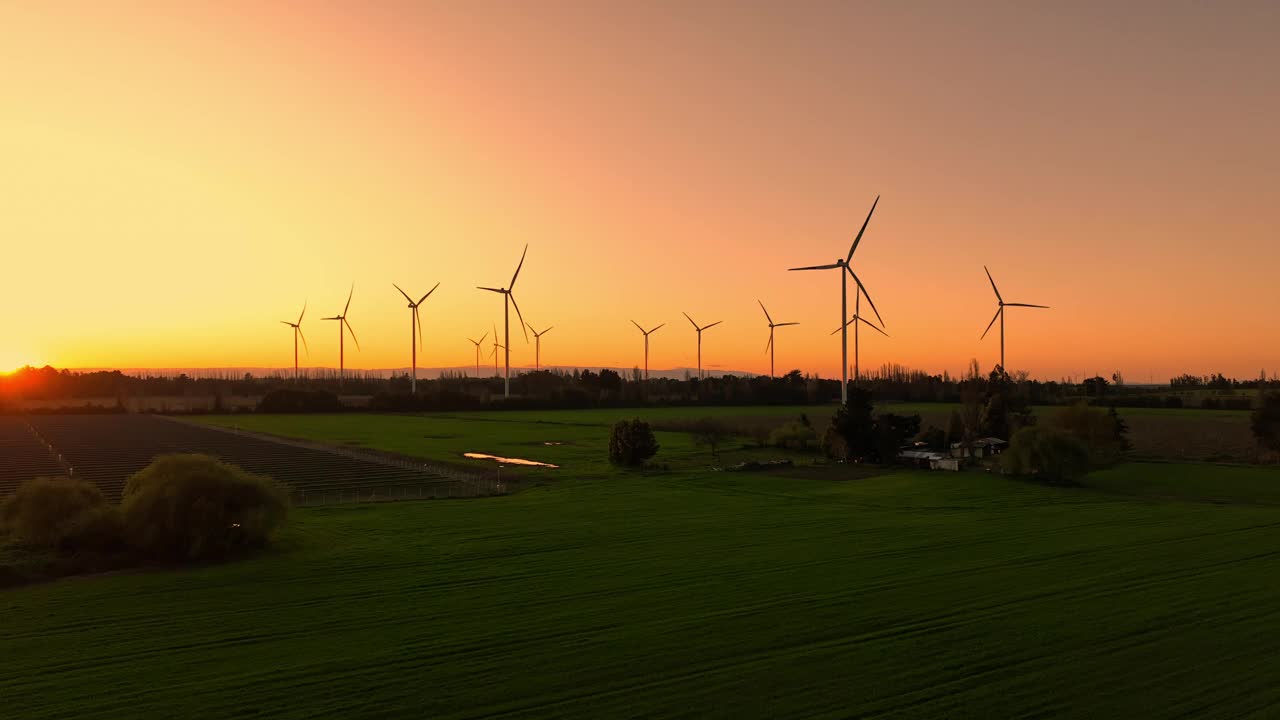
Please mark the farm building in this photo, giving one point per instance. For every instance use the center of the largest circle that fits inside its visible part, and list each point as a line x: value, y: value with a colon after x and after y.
x: 930, y: 459
x: 982, y: 447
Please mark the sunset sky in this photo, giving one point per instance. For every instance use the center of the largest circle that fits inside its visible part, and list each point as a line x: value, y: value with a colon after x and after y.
x: 177, y: 177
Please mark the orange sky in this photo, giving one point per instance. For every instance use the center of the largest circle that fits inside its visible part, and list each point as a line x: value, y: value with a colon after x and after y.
x: 177, y: 177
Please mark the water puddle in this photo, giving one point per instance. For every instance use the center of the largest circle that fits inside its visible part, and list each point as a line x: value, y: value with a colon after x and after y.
x: 552, y: 442
x: 507, y: 460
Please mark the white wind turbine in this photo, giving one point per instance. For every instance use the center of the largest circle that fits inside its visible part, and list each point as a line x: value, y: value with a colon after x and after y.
x: 1000, y: 315
x: 415, y: 338
x: 769, y: 346
x: 843, y: 267
x: 297, y: 333
x: 537, y: 346
x: 508, y: 301
x: 857, y: 371
x: 646, y: 334
x: 700, y: 329
x: 342, y: 323
x: 477, y: 344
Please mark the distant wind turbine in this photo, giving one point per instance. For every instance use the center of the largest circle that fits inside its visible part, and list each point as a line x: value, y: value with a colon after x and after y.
x: 700, y: 329
x: 297, y: 333
x: 857, y: 370
x: 769, y: 347
x: 477, y: 344
x: 843, y: 266
x: 494, y: 354
x: 342, y: 323
x: 537, y: 346
x: 415, y: 324
x: 646, y: 333
x: 508, y: 301
x: 1000, y: 315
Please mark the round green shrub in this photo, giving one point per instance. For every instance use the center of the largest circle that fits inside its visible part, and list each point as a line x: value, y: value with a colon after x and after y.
x: 197, y: 507
x: 1048, y: 454
x: 61, y: 513
x: 631, y: 442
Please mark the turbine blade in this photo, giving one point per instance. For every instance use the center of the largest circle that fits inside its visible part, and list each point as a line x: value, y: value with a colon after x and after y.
x: 424, y: 297
x: 785, y: 324
x: 522, y: 322
x: 544, y: 332
x: 402, y: 292
x: 993, y: 284
x: 993, y: 321
x: 304, y: 340
x: 348, y: 307
x: 482, y: 337
x: 513, y: 277
x: 863, y: 289
x: 769, y: 344
x: 691, y: 322
x: 286, y: 322
x: 633, y: 322
x: 766, y: 313
x: 352, y: 331
x: 1046, y: 307
x: 335, y: 317
x: 655, y: 329
x: 817, y: 267
x: 417, y: 320
x: 481, y: 287
x: 858, y: 239
x: 871, y: 325
x: 304, y: 312
x: 711, y: 325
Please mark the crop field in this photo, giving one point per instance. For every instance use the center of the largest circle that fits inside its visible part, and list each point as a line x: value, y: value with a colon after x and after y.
x: 107, y: 449
x: 695, y: 594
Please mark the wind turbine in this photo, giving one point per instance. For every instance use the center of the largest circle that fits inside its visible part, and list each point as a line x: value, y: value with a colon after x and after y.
x: 770, y: 346
x: 700, y: 329
x: 646, y: 344
x: 494, y: 354
x: 415, y: 323
x: 857, y: 371
x: 342, y: 322
x: 1000, y: 315
x: 297, y: 333
x: 508, y: 301
x: 537, y: 346
x: 843, y: 266
x: 477, y: 344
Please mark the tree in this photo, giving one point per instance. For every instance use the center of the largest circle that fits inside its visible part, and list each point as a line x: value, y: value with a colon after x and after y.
x: 197, y: 507
x: 1006, y: 409
x: 631, y: 442
x: 1265, y: 422
x: 892, y: 431
x: 851, y: 436
x: 1048, y: 454
x: 934, y: 438
x: 955, y: 428
x: 1098, y: 431
x: 710, y: 433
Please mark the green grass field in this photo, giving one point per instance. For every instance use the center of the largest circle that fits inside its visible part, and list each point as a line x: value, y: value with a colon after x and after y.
x: 1149, y: 592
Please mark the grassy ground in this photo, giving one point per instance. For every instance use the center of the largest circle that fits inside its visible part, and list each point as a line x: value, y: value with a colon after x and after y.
x: 691, y: 595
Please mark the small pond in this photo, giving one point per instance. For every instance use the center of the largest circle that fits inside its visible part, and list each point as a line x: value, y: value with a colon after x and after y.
x: 507, y: 460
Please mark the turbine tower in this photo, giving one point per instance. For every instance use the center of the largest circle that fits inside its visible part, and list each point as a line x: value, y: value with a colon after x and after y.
x: 297, y: 333
x: 537, y: 346
x: 342, y: 323
x: 507, y: 301
x: 415, y: 324
x: 477, y: 344
x: 769, y: 347
x: 646, y: 334
x: 700, y: 329
x: 1000, y: 315
x: 843, y: 267
x: 857, y: 371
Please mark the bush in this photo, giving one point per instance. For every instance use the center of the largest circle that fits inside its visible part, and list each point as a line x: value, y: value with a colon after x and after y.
x: 934, y: 438
x: 61, y: 513
x: 1265, y: 422
x: 631, y: 442
x: 1049, y: 454
x: 1101, y: 432
x: 197, y: 507
x: 710, y: 433
x: 794, y: 436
